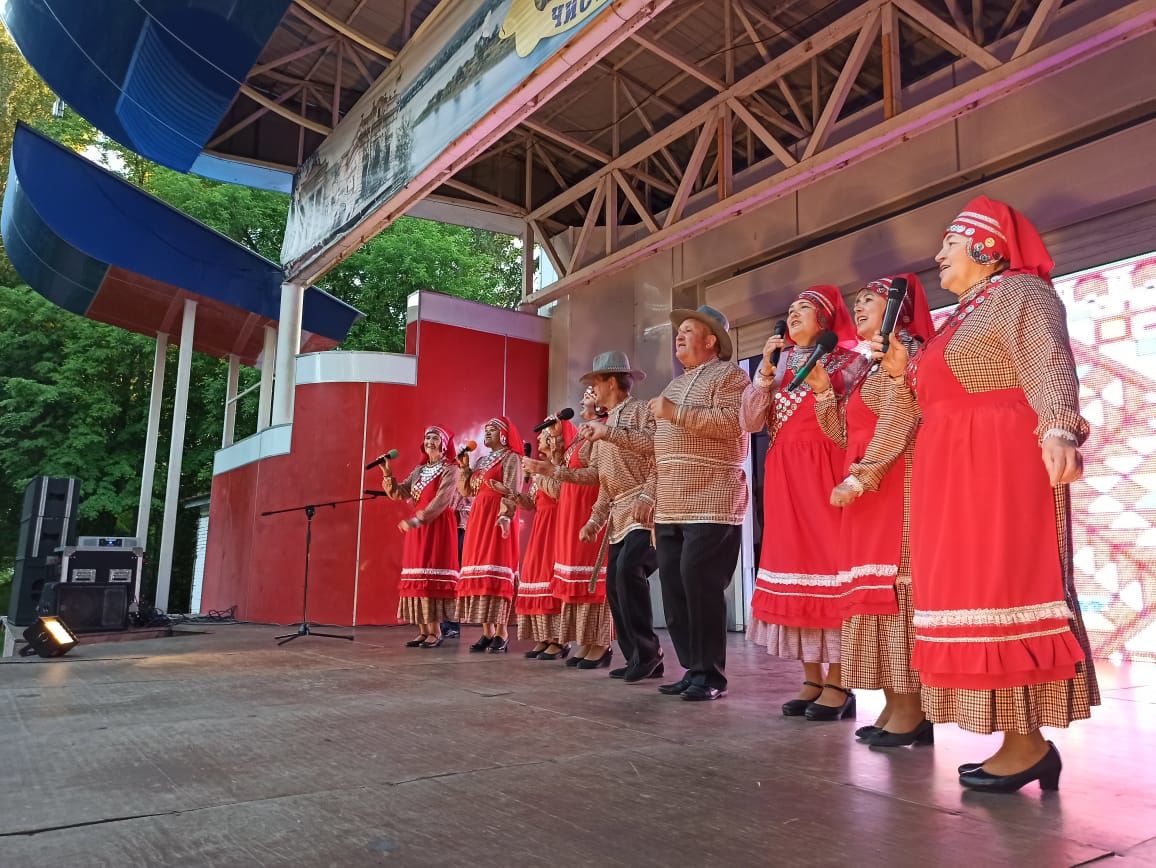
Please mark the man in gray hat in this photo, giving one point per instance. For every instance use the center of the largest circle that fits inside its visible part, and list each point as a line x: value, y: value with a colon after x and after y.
x: 625, y: 505
x: 699, y: 451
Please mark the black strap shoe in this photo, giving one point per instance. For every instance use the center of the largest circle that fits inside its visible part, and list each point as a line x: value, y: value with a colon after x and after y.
x: 798, y: 707
x: 923, y: 733
x: 815, y: 711
x: 499, y: 645
x: 482, y: 644
x: 1046, y: 771
x: 602, y: 662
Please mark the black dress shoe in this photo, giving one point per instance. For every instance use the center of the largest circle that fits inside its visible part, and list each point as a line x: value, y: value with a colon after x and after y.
x: 702, y: 693
x: 413, y: 643
x: 534, y: 652
x: 642, y: 671
x: 924, y: 733
x: 554, y: 655
x: 432, y: 642
x: 675, y: 688
x: 815, y: 711
x: 798, y: 707
x: 864, y: 733
x: 482, y: 644
x: 969, y: 767
x: 602, y: 662
x: 620, y: 672
x: 573, y: 662
x: 499, y: 645
x: 1046, y: 771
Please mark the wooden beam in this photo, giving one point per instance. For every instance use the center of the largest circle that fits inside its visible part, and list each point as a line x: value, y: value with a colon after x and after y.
x: 635, y: 201
x: 552, y: 168
x: 649, y: 127
x: 345, y: 30
x: 762, y: 133
x: 291, y: 56
x: 673, y: 59
x: 892, y: 76
x: 587, y: 226
x: 1012, y: 17
x: 726, y: 166
x: 957, y: 17
x: 546, y: 244
x: 497, y: 201
x: 977, y: 29
x: 581, y: 147
x: 528, y: 176
x: 697, y: 156
x: 947, y: 36
x: 335, y: 113
x: 842, y: 90
x: 250, y: 118
x: 286, y: 113
x: 610, y: 217
x: 1039, y: 22
x: 784, y: 87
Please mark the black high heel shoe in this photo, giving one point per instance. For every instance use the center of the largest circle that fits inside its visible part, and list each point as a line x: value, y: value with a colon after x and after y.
x: 560, y: 654
x: 499, y: 645
x: 1046, y: 771
x: 601, y: 663
x: 534, y: 652
x: 832, y: 712
x: 924, y: 733
x: 482, y: 644
x: 435, y: 643
x: 798, y: 707
x: 413, y: 643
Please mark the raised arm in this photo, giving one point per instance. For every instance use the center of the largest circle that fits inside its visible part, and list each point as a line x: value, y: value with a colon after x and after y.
x: 637, y: 437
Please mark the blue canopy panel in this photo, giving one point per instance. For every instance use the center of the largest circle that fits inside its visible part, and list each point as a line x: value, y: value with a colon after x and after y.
x: 155, y: 75
x: 97, y: 246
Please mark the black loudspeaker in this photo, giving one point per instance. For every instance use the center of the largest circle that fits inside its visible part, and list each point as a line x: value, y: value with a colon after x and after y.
x: 28, y: 582
x: 51, y: 495
x: 87, y: 608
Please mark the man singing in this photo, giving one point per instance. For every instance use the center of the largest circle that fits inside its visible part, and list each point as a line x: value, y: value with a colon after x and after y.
x: 699, y: 450
x: 622, y: 458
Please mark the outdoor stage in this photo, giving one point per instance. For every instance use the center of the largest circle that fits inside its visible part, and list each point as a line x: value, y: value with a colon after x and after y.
x: 220, y: 748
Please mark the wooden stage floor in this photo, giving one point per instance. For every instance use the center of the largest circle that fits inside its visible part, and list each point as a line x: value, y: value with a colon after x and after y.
x: 220, y: 748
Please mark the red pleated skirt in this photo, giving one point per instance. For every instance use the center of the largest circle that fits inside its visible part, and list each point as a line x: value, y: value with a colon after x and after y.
x: 534, y: 594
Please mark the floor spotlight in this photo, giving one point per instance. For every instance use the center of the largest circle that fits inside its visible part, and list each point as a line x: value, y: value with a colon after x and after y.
x: 48, y: 637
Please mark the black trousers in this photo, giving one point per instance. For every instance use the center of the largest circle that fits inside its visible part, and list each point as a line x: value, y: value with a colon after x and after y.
x: 629, y: 565
x: 695, y: 565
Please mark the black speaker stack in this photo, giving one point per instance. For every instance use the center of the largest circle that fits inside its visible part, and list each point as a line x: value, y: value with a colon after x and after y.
x: 47, y: 522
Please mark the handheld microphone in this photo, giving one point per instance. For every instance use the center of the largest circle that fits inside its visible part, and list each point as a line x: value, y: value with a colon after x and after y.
x: 373, y: 492
x: 827, y: 341
x: 527, y: 450
x: 780, y: 331
x: 381, y: 459
x: 560, y: 416
x: 468, y: 446
x: 895, y: 296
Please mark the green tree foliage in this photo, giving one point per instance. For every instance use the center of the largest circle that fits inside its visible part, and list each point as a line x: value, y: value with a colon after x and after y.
x: 74, y: 392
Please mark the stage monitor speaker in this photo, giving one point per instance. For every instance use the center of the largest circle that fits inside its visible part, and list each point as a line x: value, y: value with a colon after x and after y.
x: 28, y: 580
x: 51, y: 495
x: 87, y: 608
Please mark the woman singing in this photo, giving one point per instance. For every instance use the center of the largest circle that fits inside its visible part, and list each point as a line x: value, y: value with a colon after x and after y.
x: 490, y: 551
x: 999, y: 643
x: 429, y: 559
x: 796, y: 611
x: 874, y: 567
x: 537, y: 608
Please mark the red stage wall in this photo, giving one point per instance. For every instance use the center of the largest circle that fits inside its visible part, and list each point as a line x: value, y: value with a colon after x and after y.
x: 464, y: 377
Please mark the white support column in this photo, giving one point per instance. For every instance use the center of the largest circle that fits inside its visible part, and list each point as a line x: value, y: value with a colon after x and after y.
x: 268, y: 359
x: 148, y: 469
x: 230, y: 400
x: 288, y: 345
x: 176, y: 451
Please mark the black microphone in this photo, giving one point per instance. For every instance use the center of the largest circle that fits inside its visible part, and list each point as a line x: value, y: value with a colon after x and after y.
x: 895, y: 297
x: 373, y: 492
x: 377, y: 462
x: 780, y: 331
x: 827, y: 341
x: 527, y: 450
x: 560, y: 416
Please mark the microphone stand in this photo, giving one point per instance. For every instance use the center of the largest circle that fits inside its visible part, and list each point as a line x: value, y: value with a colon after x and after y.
x: 310, y: 509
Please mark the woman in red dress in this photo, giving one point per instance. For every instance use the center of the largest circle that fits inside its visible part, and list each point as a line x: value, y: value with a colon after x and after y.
x: 999, y: 643
x: 874, y: 567
x: 536, y: 606
x: 490, y: 551
x: 796, y: 611
x: 586, y: 618
x: 429, y: 559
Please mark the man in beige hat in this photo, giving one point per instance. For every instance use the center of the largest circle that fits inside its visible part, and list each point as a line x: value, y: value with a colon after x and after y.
x: 625, y: 506
x: 699, y: 451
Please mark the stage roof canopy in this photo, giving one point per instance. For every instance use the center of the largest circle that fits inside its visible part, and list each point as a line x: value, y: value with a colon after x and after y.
x: 97, y: 246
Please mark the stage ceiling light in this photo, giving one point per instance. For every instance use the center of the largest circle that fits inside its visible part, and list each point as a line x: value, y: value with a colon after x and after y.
x: 48, y: 637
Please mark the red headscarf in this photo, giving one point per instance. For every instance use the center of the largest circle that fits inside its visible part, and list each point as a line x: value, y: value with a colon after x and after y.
x: 568, y: 431
x: 914, y: 314
x: 447, y: 438
x: 832, y: 311
x: 997, y: 232
x: 508, y: 433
